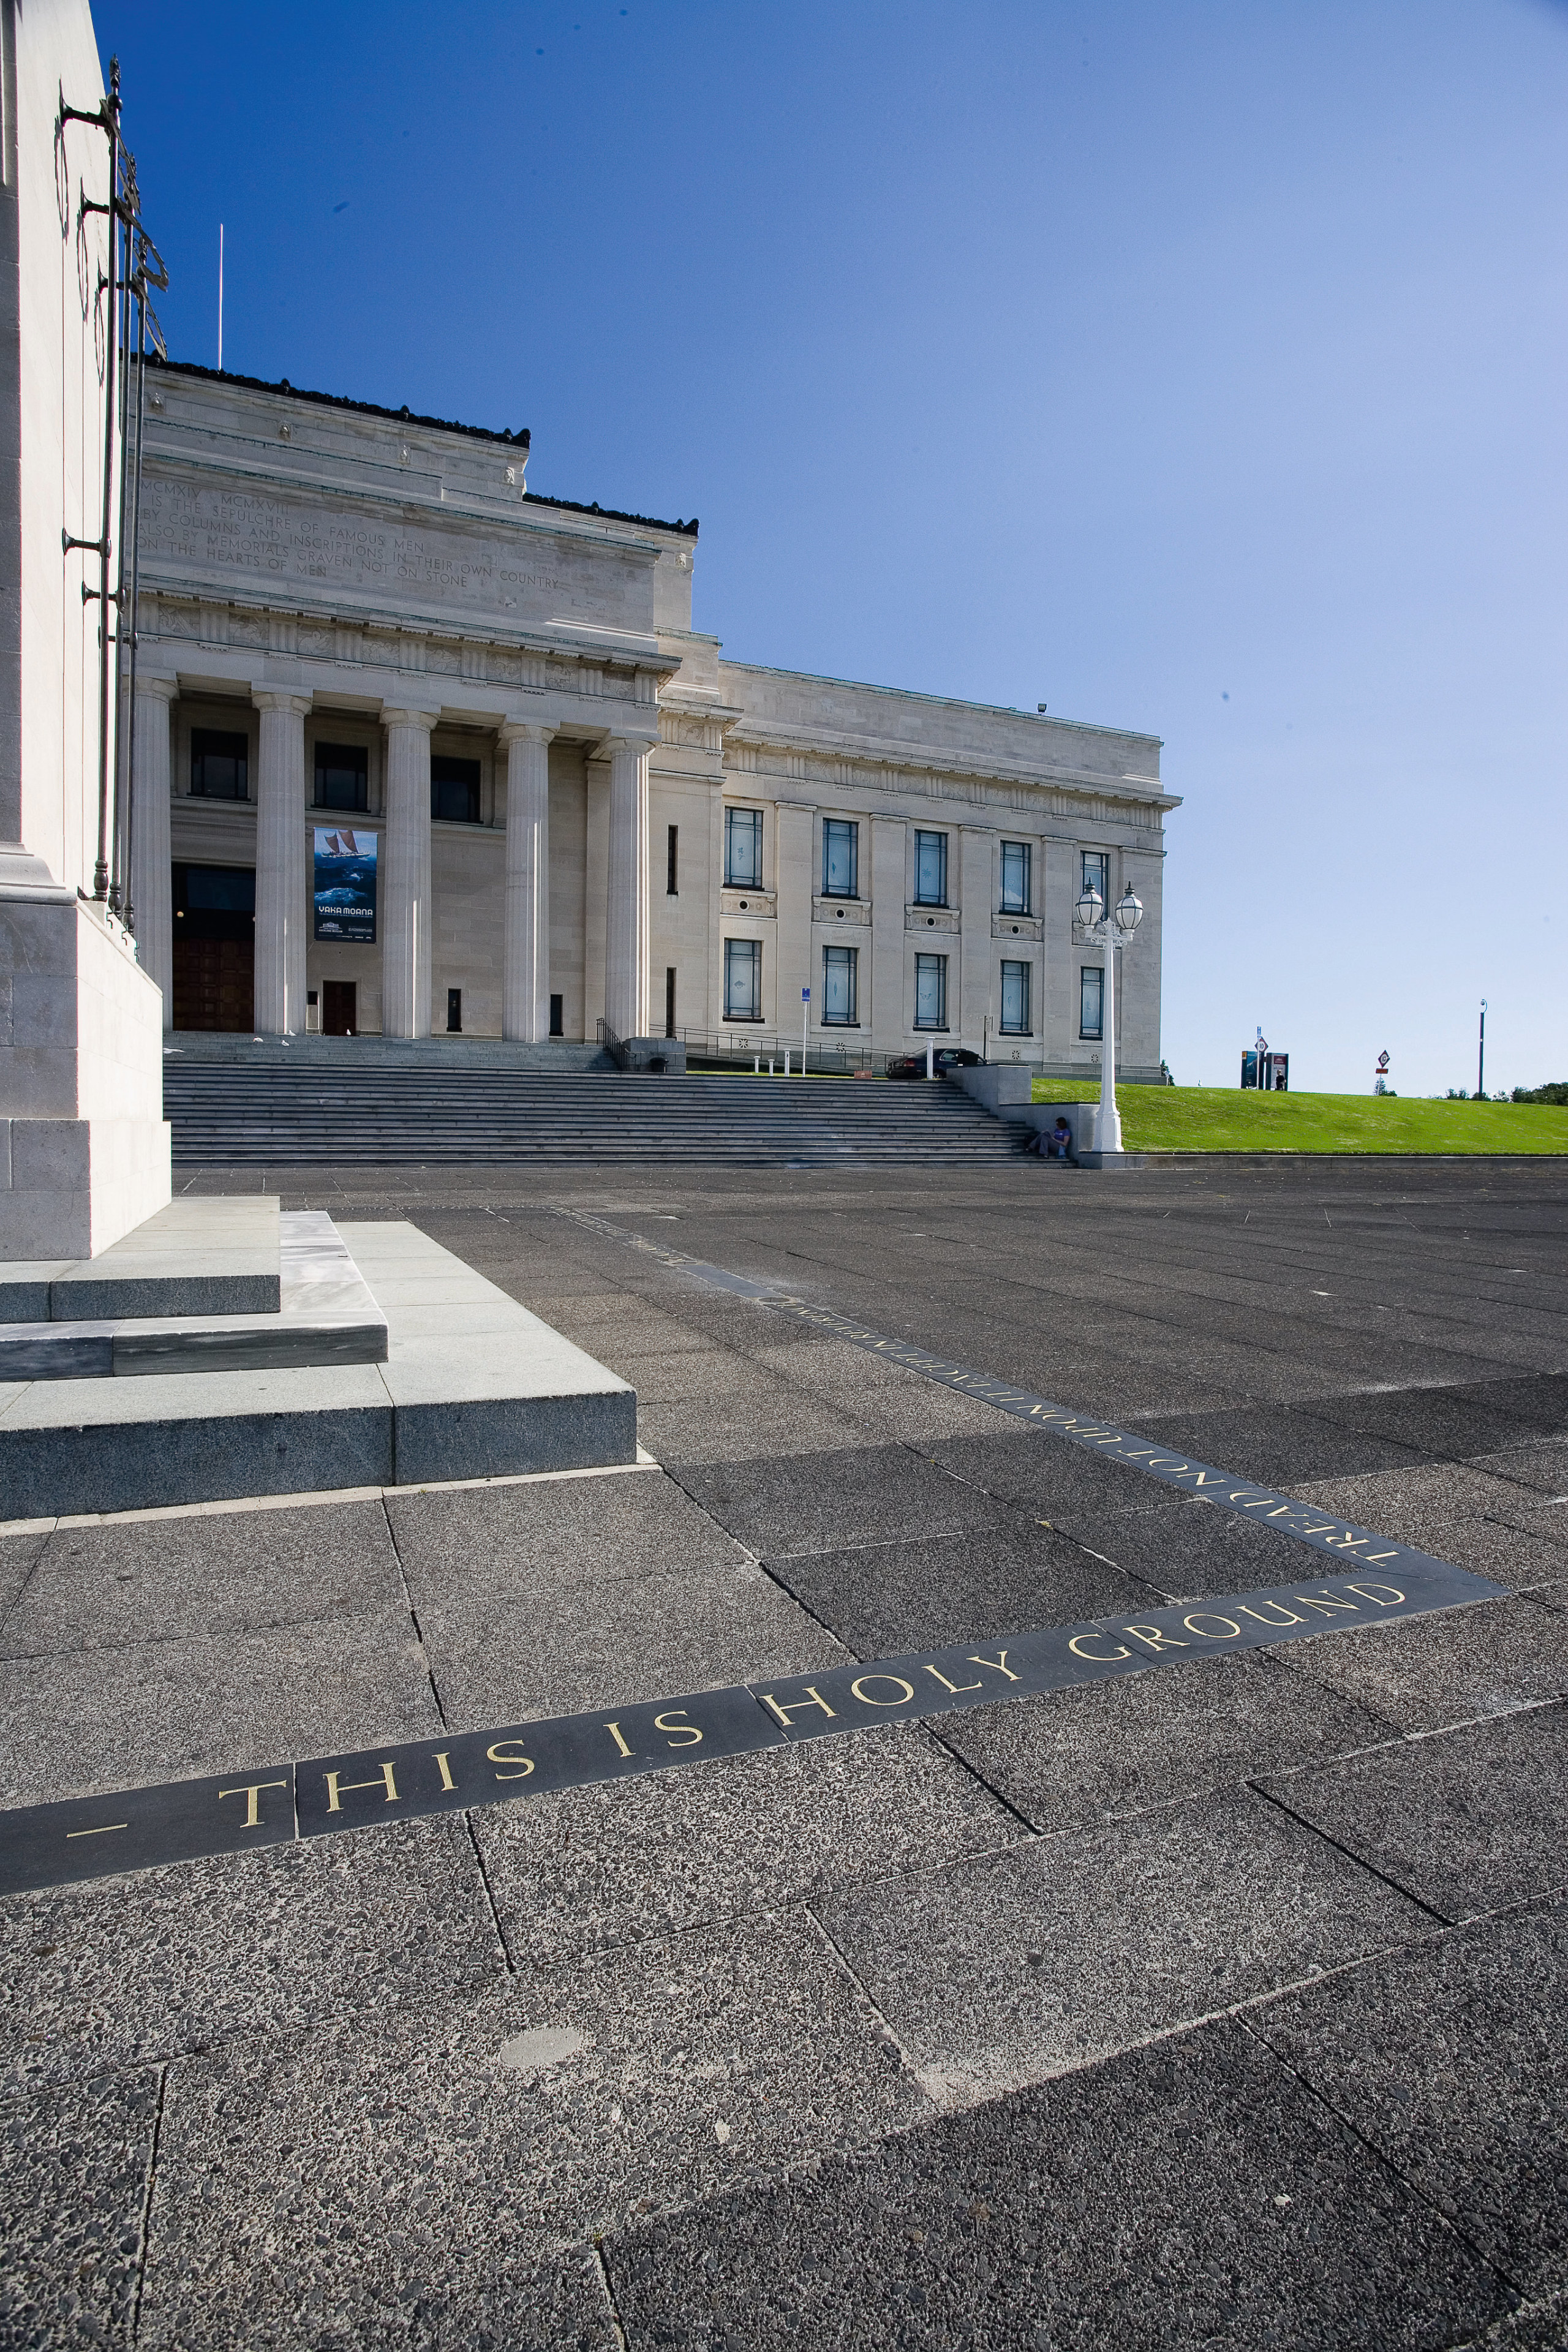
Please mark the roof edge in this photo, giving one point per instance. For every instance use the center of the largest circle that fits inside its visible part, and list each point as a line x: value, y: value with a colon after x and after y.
x: 520, y: 438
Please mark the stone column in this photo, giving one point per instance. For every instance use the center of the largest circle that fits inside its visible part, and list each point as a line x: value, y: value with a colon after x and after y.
x: 151, y: 886
x: 406, y: 919
x: 891, y: 1018
x: 795, y: 966
x: 282, y: 899
x: 627, y: 909
x: 525, y: 968
x: 978, y: 954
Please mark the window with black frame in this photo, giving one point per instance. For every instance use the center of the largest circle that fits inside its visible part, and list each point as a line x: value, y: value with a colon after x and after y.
x: 840, y: 988
x: 743, y: 849
x: 220, y: 764
x: 1095, y: 874
x: 1017, y: 861
x: 343, y: 776
x: 1090, y: 1000
x: 454, y: 790
x: 930, y: 869
x: 1016, y: 1000
x: 742, y: 980
x: 931, y: 991
x: 840, y: 857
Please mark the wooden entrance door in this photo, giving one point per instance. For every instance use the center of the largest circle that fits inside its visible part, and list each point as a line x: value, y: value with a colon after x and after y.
x: 213, y: 983
x: 340, y: 1018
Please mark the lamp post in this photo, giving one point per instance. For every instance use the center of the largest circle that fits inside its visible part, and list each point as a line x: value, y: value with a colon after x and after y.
x: 1108, y: 932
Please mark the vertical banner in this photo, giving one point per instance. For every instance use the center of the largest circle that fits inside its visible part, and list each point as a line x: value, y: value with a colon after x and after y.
x: 345, y: 885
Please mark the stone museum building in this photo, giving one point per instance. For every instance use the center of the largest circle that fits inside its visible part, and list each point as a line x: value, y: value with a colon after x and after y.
x: 419, y: 751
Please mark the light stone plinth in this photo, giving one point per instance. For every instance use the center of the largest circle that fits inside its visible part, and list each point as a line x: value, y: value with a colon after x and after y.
x: 84, y: 1149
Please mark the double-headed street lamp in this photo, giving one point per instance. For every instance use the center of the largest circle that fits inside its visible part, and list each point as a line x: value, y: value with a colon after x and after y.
x: 1110, y: 932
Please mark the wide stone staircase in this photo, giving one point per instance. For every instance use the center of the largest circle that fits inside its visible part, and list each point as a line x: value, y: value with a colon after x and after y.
x: 227, y: 1113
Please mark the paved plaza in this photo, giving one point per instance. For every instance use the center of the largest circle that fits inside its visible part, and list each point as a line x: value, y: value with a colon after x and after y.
x: 1216, y: 2005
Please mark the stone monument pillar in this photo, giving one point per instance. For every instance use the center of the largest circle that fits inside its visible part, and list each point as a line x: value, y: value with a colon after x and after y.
x: 406, y: 937
x: 525, y: 971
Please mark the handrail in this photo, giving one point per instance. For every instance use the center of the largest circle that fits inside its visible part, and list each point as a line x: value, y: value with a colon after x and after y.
x: 614, y: 1046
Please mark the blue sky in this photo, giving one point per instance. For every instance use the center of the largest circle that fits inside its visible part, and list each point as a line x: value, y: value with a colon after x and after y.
x: 1193, y: 367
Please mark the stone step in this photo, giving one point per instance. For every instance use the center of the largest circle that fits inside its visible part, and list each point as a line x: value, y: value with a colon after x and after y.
x: 327, y: 1316
x: 473, y: 1387
x: 195, y: 1257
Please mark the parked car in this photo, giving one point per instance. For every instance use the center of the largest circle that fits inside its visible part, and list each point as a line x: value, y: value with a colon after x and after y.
x: 946, y: 1057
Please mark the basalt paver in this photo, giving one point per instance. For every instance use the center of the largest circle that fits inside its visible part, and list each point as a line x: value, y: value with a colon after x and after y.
x: 1217, y: 2005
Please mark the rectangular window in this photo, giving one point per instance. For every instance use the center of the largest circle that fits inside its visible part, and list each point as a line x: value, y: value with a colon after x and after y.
x: 1097, y: 876
x: 558, y: 1016
x: 455, y: 791
x: 1091, y: 997
x: 669, y: 987
x: 930, y: 869
x: 672, y: 864
x: 931, y: 991
x: 840, y: 987
x: 840, y: 858
x: 454, y: 1011
x: 219, y: 764
x: 1016, y: 862
x: 742, y: 980
x: 743, y: 849
x: 341, y: 776
x: 1015, y: 1000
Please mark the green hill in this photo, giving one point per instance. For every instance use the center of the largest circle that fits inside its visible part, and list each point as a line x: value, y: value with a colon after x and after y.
x: 1216, y: 1118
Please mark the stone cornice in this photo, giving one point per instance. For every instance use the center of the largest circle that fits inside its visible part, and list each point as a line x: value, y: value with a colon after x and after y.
x: 827, y: 758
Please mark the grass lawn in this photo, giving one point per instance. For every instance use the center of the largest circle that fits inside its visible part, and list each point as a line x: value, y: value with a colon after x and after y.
x: 1217, y: 1118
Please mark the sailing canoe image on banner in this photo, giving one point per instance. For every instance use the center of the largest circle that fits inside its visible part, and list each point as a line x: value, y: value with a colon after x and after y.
x: 345, y: 885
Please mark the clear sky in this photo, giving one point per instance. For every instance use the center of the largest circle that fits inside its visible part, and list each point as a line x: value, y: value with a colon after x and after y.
x: 1195, y: 365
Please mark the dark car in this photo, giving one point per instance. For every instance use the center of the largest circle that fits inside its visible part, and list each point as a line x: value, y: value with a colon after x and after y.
x: 946, y: 1057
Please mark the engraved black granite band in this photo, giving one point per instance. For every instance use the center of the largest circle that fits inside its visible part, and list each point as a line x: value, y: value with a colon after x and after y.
x: 91, y: 1837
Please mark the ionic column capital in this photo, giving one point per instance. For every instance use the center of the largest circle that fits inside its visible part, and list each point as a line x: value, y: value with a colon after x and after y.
x: 426, y: 721
x: 157, y: 690
x: 638, y: 747
x: 298, y: 705
x: 523, y: 731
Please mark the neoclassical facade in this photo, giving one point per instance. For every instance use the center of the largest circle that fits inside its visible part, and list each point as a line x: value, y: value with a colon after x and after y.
x: 418, y: 750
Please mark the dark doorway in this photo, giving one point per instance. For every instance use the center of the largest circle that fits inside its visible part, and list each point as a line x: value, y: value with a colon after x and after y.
x: 215, y: 947
x: 557, y: 1005
x: 340, y: 1015
x: 669, y: 995
x: 454, y: 1011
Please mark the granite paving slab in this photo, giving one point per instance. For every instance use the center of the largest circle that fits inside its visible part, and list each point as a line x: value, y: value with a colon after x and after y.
x: 131, y: 1717
x: 516, y: 1658
x: 1067, y: 1758
x: 1424, y: 1672
x: 699, y: 1431
x: 925, y: 1591
x: 596, y: 1867
x: 1192, y: 1550
x: 822, y: 1502
x: 534, y: 1542
x: 1455, y: 1512
x: 1454, y: 1422
x: 112, y: 1585
x: 1074, y: 1490
x: 1542, y: 1466
x: 999, y: 1972
x: 149, y: 1965
x: 1467, y: 1820
x: 19, y: 1555
x: 507, y: 2128
x: 1451, y: 2059
x: 73, y: 2185
x: 1273, y: 1443
x: 1189, y: 2194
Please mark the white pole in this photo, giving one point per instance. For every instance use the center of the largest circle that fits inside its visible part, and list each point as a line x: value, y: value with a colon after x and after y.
x: 220, y: 297
x: 786, y: 1061
x: 1109, y: 1136
x: 931, y: 1057
x: 805, y: 1025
